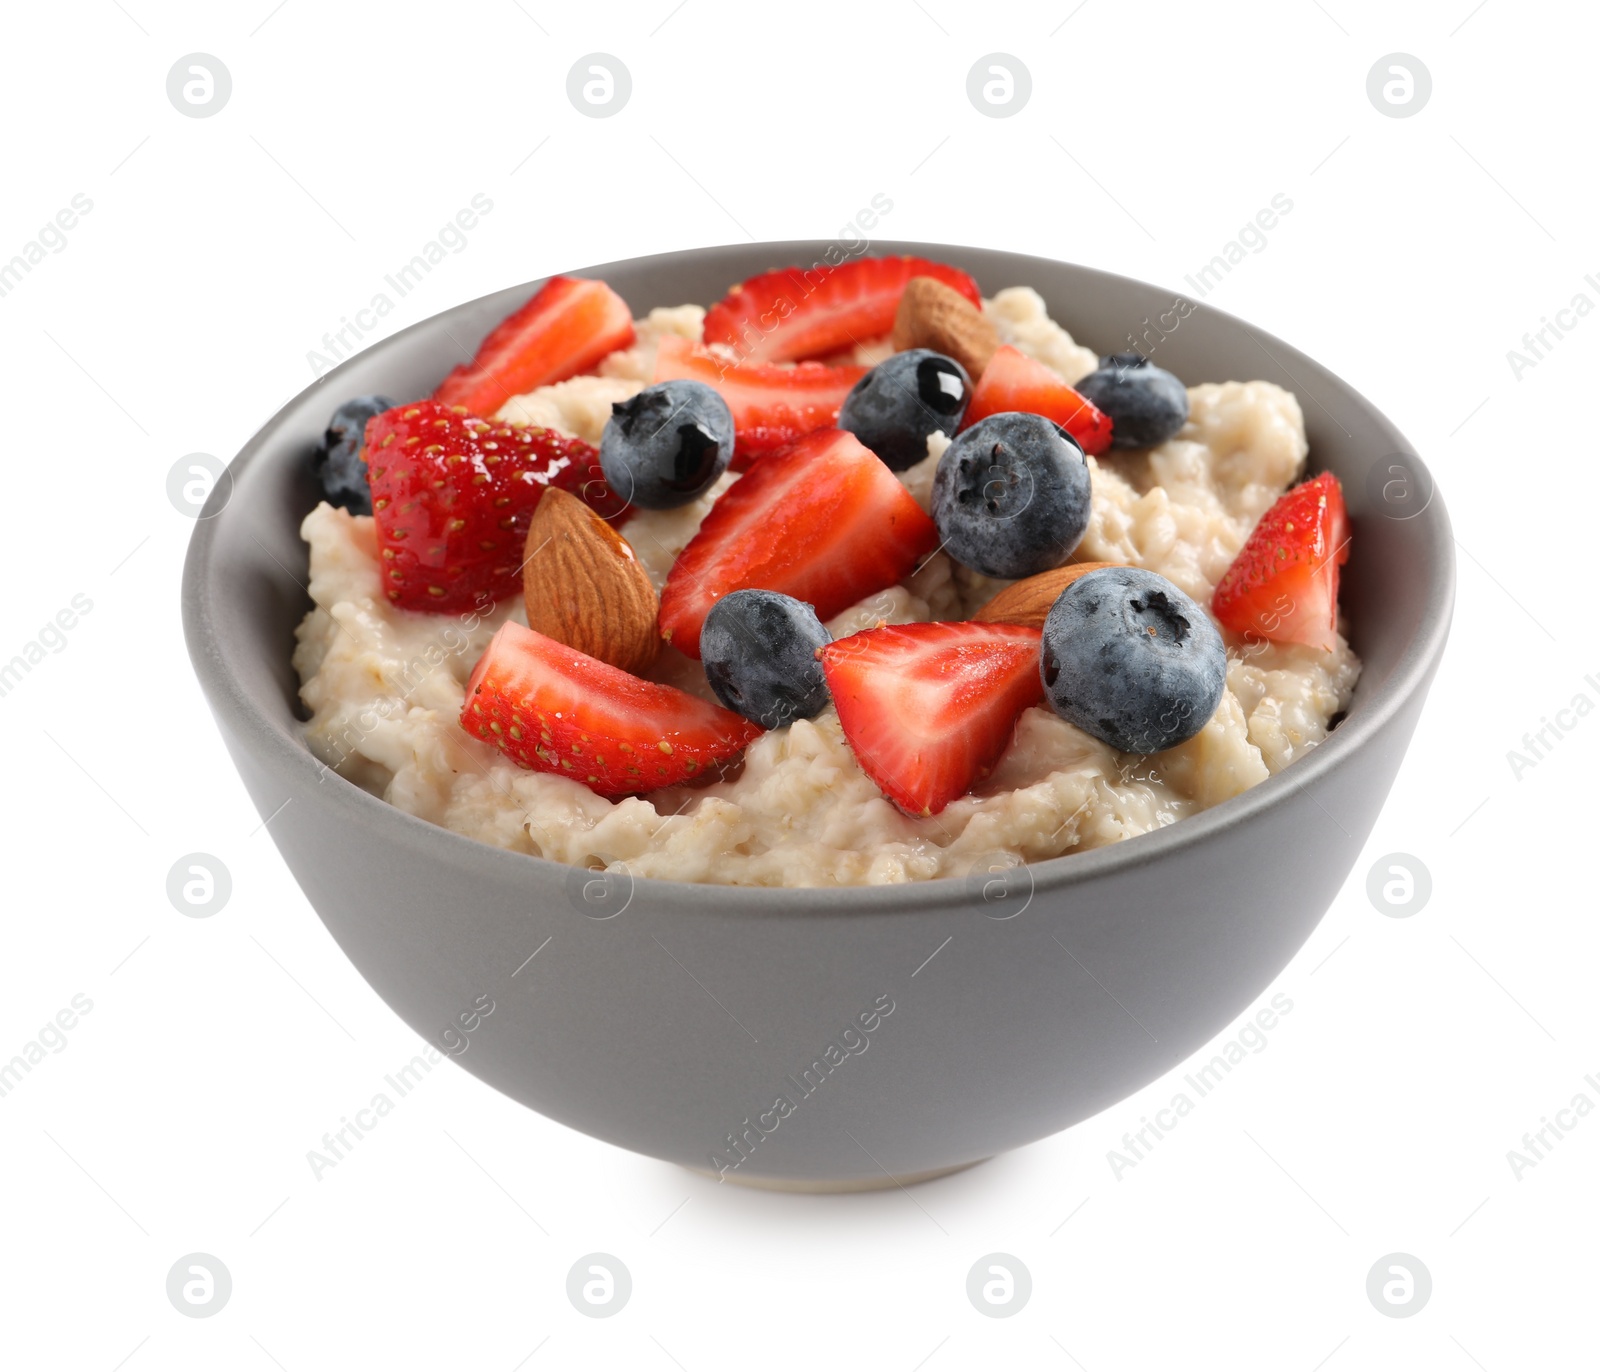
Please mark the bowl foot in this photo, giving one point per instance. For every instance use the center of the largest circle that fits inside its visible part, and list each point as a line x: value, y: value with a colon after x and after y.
x: 812, y: 1187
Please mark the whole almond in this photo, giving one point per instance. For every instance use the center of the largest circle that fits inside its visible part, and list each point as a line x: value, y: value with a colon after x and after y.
x: 1028, y: 602
x: 934, y: 315
x: 583, y: 586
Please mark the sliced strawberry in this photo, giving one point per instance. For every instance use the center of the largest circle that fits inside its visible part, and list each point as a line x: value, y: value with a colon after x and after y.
x: 553, y: 709
x: 824, y: 521
x: 1284, y: 585
x: 929, y: 708
x: 796, y: 313
x: 1015, y: 381
x: 452, y: 496
x: 772, y: 404
x: 564, y: 330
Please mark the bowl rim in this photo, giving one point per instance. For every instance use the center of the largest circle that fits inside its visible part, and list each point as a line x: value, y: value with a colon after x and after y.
x: 290, y: 759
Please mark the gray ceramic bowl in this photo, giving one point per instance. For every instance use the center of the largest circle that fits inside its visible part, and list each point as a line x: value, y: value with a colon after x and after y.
x: 671, y: 1018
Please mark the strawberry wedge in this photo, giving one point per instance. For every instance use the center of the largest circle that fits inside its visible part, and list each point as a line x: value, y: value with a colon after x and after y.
x: 772, y: 404
x: 1284, y: 585
x: 553, y: 709
x: 1015, y: 381
x: 563, y: 331
x: 823, y: 521
x: 929, y: 708
x: 797, y: 313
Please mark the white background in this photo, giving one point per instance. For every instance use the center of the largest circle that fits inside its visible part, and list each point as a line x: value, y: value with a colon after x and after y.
x: 218, y: 1051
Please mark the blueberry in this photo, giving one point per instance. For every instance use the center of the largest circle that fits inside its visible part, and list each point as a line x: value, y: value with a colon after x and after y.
x: 667, y: 444
x: 902, y: 400
x: 338, y: 463
x: 1146, y: 404
x: 1011, y: 495
x: 1129, y: 658
x: 759, y: 650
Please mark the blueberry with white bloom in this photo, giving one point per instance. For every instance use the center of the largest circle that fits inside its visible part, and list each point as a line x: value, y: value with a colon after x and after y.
x: 902, y: 400
x: 1011, y: 495
x: 667, y: 445
x: 1146, y: 404
x: 1132, y: 660
x: 759, y: 649
x: 339, y: 464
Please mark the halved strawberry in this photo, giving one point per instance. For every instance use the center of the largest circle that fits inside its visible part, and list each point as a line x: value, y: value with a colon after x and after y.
x: 1015, y: 381
x: 1284, y: 584
x: 801, y: 312
x: 823, y: 520
x: 772, y: 404
x: 929, y: 708
x: 553, y: 709
x: 568, y: 326
x: 452, y: 495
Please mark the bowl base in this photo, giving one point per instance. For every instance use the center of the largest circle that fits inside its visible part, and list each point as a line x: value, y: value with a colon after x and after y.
x: 805, y: 1186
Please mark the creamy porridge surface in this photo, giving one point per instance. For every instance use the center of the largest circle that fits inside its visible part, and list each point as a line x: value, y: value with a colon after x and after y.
x: 384, y: 686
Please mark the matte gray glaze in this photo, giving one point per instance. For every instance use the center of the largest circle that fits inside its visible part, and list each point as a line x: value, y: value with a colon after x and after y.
x: 679, y: 1020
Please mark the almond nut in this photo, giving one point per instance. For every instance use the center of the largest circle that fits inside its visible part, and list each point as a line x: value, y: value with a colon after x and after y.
x: 934, y: 315
x: 583, y: 586
x: 1029, y: 601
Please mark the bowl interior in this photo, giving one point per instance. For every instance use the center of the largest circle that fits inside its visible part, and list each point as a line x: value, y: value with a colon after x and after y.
x: 245, y: 580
